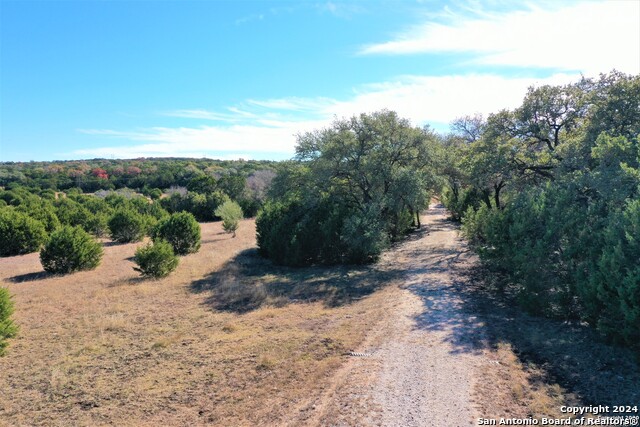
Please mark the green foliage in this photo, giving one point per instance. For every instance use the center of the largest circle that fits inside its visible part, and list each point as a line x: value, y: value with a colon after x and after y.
x: 360, y: 184
x: 564, y: 232
x: 127, y: 226
x: 70, y: 212
x: 202, y: 206
x: 458, y: 202
x: 233, y: 185
x: 181, y: 230
x: 616, y: 283
x: 7, y: 328
x: 202, y: 184
x: 43, y: 212
x: 155, y: 194
x: 19, y: 233
x: 294, y: 233
x: 70, y: 249
x: 156, y: 260
x: 363, y: 236
x: 231, y: 214
x: 97, y: 224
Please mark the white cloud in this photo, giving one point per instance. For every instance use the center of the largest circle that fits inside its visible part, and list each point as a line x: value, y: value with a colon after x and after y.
x: 590, y: 37
x: 272, y: 124
x: 234, y: 115
x: 425, y: 99
x: 199, y: 141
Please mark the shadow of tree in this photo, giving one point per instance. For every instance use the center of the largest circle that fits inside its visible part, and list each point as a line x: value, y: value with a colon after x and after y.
x: 248, y: 281
x: 30, y: 277
x: 476, y: 313
x: 572, y: 353
x: 110, y: 243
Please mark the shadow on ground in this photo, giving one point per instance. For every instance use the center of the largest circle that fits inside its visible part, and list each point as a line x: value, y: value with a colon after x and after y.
x: 29, y: 277
x: 248, y: 281
x: 474, y: 315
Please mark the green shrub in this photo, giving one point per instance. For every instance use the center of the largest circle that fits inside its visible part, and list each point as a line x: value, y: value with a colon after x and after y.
x: 127, y: 226
x: 19, y: 233
x: 458, y: 203
x: 155, y: 194
x: 70, y: 249
x: 363, y: 237
x: 97, y: 224
x: 156, y: 260
x: 70, y: 212
x: 231, y: 214
x: 43, y: 212
x: 292, y: 233
x: 616, y: 282
x: 181, y: 230
x: 7, y: 328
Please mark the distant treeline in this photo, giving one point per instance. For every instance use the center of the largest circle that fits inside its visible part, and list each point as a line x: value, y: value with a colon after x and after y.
x: 106, y: 174
x: 195, y: 185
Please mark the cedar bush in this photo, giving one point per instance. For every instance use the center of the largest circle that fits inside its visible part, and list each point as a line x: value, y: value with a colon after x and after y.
x: 181, y: 230
x: 19, y: 233
x: 127, y: 226
x: 97, y: 224
x: 7, y: 328
x: 156, y: 260
x: 231, y: 214
x: 70, y: 249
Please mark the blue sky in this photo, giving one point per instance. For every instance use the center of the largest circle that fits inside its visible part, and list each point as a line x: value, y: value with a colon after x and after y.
x: 231, y: 79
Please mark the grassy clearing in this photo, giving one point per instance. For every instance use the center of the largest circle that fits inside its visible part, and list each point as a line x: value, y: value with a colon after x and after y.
x: 226, y: 339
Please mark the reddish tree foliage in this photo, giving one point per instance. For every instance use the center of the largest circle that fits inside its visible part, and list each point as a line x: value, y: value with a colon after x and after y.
x: 100, y: 173
x: 133, y: 170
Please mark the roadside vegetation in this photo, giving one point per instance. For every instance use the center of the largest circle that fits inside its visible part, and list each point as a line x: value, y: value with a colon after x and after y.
x: 548, y: 193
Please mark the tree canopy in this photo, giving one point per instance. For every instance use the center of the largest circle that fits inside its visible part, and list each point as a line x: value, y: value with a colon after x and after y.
x: 355, y: 185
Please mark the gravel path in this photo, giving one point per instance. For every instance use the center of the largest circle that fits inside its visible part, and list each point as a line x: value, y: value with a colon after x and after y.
x: 423, y: 362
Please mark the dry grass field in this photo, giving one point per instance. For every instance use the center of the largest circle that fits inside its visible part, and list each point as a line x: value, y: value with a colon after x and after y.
x: 227, y: 339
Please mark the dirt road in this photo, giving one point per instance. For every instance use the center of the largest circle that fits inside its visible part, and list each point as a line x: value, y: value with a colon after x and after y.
x: 419, y: 368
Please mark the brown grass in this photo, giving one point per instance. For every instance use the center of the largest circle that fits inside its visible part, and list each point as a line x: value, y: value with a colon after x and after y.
x: 511, y: 389
x: 227, y: 339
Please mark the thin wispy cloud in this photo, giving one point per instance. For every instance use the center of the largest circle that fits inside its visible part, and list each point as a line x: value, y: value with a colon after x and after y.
x: 294, y: 103
x: 340, y: 9
x: 590, y: 37
x: 250, y: 18
x: 233, y: 115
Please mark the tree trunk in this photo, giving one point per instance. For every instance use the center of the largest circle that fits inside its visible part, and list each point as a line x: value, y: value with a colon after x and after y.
x: 486, y: 198
x: 496, y: 194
